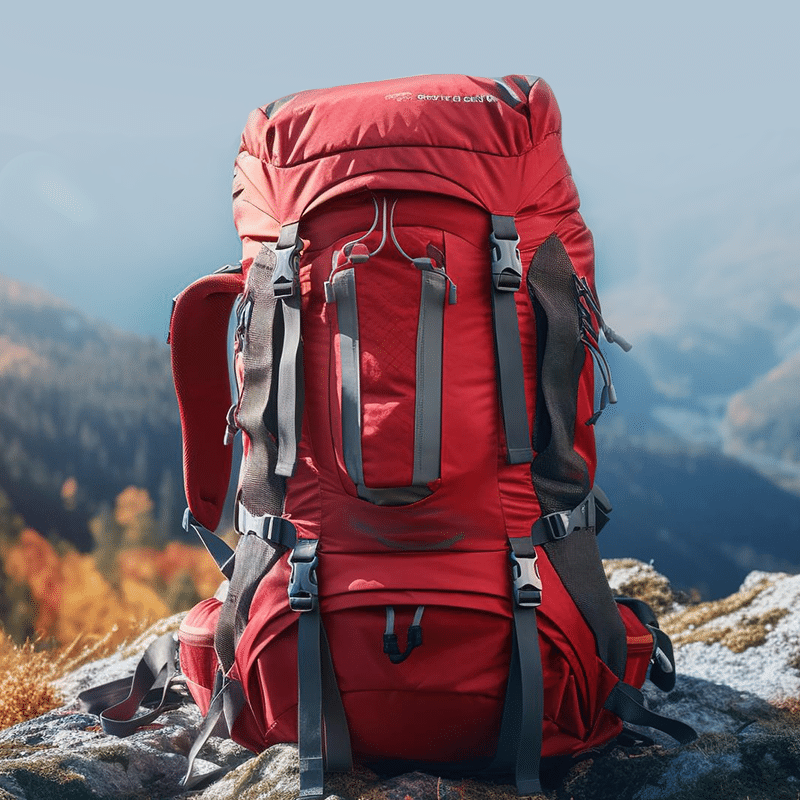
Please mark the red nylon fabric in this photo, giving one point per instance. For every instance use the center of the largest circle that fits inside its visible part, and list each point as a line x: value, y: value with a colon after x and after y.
x: 199, y: 351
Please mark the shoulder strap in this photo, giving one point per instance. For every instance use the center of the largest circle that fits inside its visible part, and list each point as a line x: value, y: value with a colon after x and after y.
x: 199, y: 340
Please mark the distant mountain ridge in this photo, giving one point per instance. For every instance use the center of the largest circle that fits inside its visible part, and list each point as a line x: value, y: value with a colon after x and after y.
x: 81, y: 400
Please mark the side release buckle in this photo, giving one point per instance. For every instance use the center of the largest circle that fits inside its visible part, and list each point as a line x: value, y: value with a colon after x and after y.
x: 284, y: 279
x: 303, y: 591
x: 527, y: 583
x: 506, y: 263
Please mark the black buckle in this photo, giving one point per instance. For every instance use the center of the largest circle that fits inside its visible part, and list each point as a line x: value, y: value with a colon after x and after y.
x: 557, y: 526
x: 303, y: 591
x: 506, y: 264
x: 284, y: 279
x: 527, y: 583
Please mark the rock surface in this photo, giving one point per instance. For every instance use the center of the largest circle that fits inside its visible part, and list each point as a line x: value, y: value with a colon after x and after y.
x: 738, y: 685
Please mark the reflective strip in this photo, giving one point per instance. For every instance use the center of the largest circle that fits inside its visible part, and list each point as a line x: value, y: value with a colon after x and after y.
x: 508, y: 353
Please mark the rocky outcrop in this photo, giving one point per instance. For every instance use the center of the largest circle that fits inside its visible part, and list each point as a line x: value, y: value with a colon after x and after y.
x: 738, y: 685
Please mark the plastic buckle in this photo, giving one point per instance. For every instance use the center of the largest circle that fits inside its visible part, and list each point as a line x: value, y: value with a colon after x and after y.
x: 506, y: 264
x: 303, y: 592
x: 527, y: 583
x: 284, y: 279
x: 266, y: 526
x: 557, y: 525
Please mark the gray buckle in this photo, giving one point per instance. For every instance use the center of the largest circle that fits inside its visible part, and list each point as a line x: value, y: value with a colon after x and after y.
x: 303, y: 591
x: 265, y: 526
x: 527, y: 583
x: 284, y: 279
x: 506, y: 264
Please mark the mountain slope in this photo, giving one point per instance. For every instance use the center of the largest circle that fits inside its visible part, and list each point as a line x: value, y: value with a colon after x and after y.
x: 80, y: 400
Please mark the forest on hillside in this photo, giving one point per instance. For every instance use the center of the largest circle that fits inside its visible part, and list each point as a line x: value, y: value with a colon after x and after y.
x: 54, y: 594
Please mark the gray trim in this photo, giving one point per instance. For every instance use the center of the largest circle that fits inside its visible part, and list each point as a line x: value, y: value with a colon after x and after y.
x: 428, y: 411
x: 344, y: 288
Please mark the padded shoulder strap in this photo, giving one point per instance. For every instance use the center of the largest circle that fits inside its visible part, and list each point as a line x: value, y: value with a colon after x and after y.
x: 199, y: 339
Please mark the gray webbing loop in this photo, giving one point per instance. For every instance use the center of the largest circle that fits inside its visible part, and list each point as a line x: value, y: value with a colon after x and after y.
x: 117, y: 702
x: 506, y: 270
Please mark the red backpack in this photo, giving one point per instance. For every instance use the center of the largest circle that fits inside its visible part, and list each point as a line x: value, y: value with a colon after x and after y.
x: 417, y: 578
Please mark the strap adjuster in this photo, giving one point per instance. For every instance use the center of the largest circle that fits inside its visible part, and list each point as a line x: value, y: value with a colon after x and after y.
x: 303, y: 590
x: 506, y: 264
x: 265, y: 526
x: 284, y: 279
x: 527, y: 583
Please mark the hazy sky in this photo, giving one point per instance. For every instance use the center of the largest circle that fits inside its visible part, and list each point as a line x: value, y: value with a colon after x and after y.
x: 119, y: 122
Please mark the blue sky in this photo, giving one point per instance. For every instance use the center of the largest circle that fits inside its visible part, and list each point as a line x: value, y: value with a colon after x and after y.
x: 119, y: 123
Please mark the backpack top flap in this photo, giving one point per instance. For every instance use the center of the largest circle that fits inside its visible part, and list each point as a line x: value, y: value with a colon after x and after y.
x: 492, y: 142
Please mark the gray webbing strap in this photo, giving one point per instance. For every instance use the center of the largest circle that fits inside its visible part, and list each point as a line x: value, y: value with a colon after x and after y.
x: 323, y: 738
x: 428, y: 402
x: 506, y: 281
x: 227, y: 701
x: 627, y: 703
x: 117, y: 702
x: 286, y: 286
x: 428, y: 408
x: 338, y: 754
x: 520, y: 741
x: 255, y: 557
x: 262, y: 491
x: 218, y: 548
x: 344, y: 286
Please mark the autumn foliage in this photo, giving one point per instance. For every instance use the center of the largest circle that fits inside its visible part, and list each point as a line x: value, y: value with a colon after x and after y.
x: 127, y: 581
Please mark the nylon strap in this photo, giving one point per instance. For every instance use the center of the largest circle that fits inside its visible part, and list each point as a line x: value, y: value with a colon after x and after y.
x: 255, y: 557
x: 428, y: 409
x: 627, y: 703
x: 323, y: 738
x: 261, y: 490
x: 506, y: 280
x: 286, y: 286
x: 226, y: 702
x: 117, y: 702
x: 157, y: 669
x: 520, y: 742
x: 303, y: 587
x: 217, y: 547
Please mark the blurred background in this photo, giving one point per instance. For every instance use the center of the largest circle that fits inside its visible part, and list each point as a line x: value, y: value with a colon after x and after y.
x: 118, y: 130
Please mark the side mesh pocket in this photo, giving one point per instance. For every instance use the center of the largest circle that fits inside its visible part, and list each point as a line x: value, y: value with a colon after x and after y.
x: 560, y: 474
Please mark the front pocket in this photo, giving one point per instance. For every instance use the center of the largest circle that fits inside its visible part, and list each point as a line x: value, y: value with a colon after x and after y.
x: 388, y: 340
